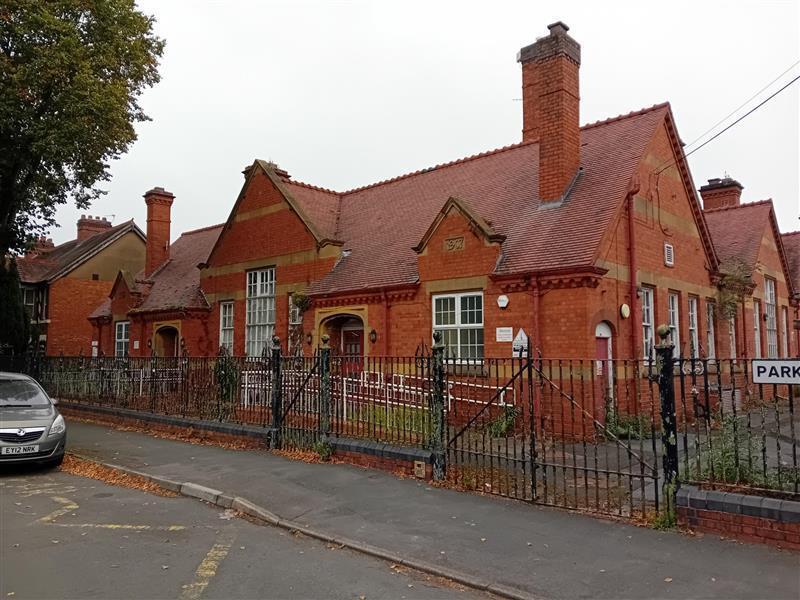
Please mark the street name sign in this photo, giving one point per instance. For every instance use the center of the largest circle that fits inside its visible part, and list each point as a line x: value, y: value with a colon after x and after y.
x: 776, y: 371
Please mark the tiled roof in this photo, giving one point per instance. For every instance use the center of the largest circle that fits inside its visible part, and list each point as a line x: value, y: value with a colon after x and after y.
x: 102, y: 310
x: 64, y: 257
x: 176, y: 284
x: 737, y: 231
x: 320, y: 205
x: 382, y: 222
x: 791, y: 245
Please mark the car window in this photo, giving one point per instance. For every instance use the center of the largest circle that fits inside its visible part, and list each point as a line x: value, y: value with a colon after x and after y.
x: 18, y: 392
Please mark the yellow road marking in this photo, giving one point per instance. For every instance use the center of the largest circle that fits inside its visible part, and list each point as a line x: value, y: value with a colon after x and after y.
x: 69, y: 506
x: 123, y: 526
x: 208, y: 567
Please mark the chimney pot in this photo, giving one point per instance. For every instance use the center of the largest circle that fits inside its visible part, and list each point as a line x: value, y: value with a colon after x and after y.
x: 89, y: 225
x: 723, y: 192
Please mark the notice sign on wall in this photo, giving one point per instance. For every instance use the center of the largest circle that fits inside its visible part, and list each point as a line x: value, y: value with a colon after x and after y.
x: 504, y: 334
x: 776, y: 371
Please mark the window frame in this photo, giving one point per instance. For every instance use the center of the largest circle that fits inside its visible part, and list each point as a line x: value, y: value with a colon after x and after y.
x: 711, y: 330
x: 771, y: 311
x: 784, y: 332
x: 227, y: 330
x: 458, y: 326
x: 757, y: 328
x: 648, y: 319
x: 693, y: 305
x: 732, y: 338
x: 260, y: 298
x: 674, y: 321
x: 126, y: 340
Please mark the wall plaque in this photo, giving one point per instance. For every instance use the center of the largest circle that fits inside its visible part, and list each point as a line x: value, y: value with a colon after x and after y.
x: 454, y: 244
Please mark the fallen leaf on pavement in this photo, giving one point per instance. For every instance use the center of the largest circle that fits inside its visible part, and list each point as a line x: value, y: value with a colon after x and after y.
x: 668, y: 579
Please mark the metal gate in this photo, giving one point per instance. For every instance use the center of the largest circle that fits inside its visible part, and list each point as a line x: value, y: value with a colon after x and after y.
x: 555, y: 432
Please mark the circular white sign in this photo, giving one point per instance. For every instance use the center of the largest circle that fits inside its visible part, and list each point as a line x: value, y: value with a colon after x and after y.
x: 625, y: 311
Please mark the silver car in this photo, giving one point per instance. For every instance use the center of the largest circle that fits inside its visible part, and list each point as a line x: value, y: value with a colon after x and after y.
x: 31, y: 428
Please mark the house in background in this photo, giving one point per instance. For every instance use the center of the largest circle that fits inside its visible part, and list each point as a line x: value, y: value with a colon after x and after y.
x: 583, y: 238
x: 791, y: 246
x: 61, y: 285
x: 750, y: 246
x: 159, y: 309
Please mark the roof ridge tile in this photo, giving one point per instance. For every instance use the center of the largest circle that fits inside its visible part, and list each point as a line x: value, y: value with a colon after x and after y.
x: 311, y: 186
x: 634, y: 113
x: 451, y: 163
x: 201, y: 229
x: 755, y: 203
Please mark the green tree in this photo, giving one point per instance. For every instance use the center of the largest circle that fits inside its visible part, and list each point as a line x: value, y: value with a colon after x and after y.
x: 71, y: 73
x: 14, y: 324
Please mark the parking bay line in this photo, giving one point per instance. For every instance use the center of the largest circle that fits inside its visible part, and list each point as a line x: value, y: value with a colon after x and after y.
x: 208, y: 566
x: 71, y: 505
x: 123, y: 526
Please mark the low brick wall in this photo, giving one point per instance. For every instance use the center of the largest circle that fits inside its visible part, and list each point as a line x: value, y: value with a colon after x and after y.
x: 375, y: 455
x: 740, y: 516
x: 240, y: 436
x: 367, y: 453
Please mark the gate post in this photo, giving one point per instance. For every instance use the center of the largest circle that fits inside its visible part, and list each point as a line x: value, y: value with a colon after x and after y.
x: 437, y: 408
x: 277, y: 399
x: 669, y: 431
x: 325, y: 388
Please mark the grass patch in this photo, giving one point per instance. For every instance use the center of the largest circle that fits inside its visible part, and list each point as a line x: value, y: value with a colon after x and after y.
x: 628, y: 427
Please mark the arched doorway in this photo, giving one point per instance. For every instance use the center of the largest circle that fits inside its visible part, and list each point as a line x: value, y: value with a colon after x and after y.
x: 604, y: 366
x: 346, y: 334
x: 166, y: 343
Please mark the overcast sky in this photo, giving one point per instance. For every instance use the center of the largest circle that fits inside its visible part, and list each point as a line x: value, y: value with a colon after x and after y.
x: 342, y: 94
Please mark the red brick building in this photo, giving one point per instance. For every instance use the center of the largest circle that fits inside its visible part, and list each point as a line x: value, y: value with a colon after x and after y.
x: 585, y: 238
x: 542, y: 235
x: 749, y: 244
x: 161, y: 307
x: 61, y: 285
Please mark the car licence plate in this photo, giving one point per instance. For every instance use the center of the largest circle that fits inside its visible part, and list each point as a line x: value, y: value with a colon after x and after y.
x: 19, y: 449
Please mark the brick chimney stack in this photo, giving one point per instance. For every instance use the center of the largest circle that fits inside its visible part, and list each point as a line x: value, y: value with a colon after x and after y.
x: 721, y: 193
x: 159, y: 205
x: 550, y: 108
x: 89, y: 226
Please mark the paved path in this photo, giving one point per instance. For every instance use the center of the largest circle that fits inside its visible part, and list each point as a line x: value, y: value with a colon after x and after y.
x: 70, y: 537
x: 545, y: 552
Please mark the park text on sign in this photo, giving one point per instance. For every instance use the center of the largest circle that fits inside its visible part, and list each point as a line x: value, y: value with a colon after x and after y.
x: 776, y: 371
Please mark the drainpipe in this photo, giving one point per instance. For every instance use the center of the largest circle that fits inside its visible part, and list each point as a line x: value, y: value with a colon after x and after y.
x: 537, y: 338
x: 636, y: 317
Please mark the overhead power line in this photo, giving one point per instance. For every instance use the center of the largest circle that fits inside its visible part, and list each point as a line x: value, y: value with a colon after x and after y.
x: 738, y: 108
x: 739, y: 120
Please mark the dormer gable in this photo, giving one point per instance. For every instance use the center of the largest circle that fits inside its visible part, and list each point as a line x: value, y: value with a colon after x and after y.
x: 458, y: 243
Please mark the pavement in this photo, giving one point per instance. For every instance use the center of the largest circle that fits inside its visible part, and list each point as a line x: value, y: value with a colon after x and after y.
x: 65, y: 536
x: 538, y: 551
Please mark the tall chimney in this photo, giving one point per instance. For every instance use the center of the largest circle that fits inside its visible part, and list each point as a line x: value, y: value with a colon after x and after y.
x: 159, y: 204
x: 550, y: 104
x: 89, y: 226
x: 721, y: 193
